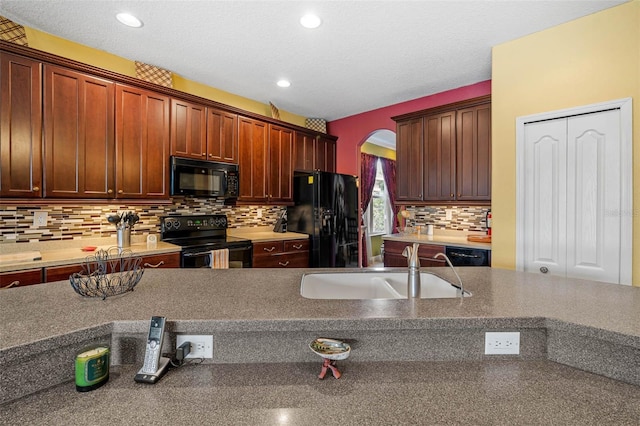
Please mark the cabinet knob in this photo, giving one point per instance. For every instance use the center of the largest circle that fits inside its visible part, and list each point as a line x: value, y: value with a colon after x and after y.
x: 451, y: 195
x: 297, y: 246
x: 109, y: 191
x: 210, y: 155
x: 204, y: 154
x: 268, y: 249
x: 284, y: 264
x: 157, y: 265
x: 120, y: 191
x: 36, y: 189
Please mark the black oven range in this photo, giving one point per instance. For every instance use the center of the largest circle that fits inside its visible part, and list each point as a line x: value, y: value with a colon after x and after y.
x: 199, y: 236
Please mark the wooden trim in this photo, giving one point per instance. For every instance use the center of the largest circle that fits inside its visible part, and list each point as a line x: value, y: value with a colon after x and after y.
x: 119, y: 78
x: 76, y: 201
x: 444, y: 108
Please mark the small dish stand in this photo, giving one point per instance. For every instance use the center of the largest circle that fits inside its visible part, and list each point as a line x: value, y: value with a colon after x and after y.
x: 330, y: 350
x: 108, y: 273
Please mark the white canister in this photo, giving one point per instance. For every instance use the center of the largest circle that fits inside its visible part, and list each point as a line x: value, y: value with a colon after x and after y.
x: 429, y: 229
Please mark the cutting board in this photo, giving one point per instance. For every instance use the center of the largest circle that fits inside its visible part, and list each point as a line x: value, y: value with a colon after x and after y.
x: 24, y: 256
x: 479, y: 238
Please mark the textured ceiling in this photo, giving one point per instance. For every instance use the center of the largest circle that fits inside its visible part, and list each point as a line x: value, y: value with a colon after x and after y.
x: 366, y: 54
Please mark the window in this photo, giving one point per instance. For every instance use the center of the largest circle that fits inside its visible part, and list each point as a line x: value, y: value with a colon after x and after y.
x: 379, y: 211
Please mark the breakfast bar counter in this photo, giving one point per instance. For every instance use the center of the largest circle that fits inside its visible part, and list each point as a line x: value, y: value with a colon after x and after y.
x: 260, y: 321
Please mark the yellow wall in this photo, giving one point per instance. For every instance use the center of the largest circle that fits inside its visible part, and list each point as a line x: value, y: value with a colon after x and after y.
x: 589, y: 60
x: 98, y: 58
x: 369, y: 148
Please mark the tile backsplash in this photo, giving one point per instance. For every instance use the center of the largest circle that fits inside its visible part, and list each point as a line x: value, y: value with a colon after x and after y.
x: 463, y: 218
x: 69, y: 221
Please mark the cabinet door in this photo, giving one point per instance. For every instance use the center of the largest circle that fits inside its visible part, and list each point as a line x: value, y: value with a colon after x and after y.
x: 20, y: 127
x: 473, y: 152
x: 325, y: 155
x: 280, y: 164
x: 222, y: 136
x: 252, y: 160
x: 142, y: 143
x: 78, y: 135
x: 409, y: 153
x: 304, y: 151
x: 439, y: 135
x: 188, y: 129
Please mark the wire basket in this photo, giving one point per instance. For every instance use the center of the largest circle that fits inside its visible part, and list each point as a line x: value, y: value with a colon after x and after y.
x: 108, y: 273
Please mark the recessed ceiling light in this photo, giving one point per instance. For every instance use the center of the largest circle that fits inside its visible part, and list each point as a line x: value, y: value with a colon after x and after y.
x: 310, y: 21
x: 129, y: 20
x: 283, y: 83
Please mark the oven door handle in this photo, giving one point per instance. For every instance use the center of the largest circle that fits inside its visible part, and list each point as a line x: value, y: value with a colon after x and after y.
x: 196, y: 254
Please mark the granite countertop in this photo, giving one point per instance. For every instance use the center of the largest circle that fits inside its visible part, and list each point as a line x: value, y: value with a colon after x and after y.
x: 67, y: 252
x: 265, y: 233
x: 261, y: 299
x: 441, y: 237
x: 371, y: 393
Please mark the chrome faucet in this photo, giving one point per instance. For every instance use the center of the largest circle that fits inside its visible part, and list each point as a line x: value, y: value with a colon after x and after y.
x: 413, y: 281
x: 454, y: 271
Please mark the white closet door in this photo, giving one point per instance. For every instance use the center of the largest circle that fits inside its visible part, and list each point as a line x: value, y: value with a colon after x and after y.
x: 545, y: 159
x: 593, y: 196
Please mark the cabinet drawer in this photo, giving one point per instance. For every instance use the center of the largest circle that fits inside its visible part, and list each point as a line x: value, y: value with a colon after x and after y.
x: 60, y: 273
x: 268, y: 248
x: 296, y: 245
x: 21, y: 278
x: 170, y: 260
x: 287, y: 260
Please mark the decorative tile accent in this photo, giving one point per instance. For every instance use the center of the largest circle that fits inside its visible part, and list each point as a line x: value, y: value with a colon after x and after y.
x: 317, y: 124
x: 463, y: 218
x: 66, y: 222
x: 153, y: 74
x: 12, y: 32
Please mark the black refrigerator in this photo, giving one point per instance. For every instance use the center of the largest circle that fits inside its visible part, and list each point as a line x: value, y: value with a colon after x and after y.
x: 326, y: 208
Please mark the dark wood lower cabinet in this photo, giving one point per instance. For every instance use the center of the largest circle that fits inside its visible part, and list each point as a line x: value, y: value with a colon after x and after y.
x: 20, y: 278
x: 281, y: 254
x: 61, y: 273
x: 393, y: 254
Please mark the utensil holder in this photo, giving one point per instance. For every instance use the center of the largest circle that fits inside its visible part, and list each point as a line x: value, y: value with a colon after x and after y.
x: 124, y: 237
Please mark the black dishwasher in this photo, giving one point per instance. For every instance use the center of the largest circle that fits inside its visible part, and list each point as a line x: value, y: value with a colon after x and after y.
x: 461, y: 256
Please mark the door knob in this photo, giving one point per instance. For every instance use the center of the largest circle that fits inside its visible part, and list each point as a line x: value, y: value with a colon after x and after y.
x: 544, y: 269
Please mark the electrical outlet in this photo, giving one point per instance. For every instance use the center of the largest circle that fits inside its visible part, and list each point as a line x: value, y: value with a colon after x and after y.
x: 201, y: 345
x: 502, y: 343
x: 40, y: 218
x: 448, y: 214
x: 259, y: 213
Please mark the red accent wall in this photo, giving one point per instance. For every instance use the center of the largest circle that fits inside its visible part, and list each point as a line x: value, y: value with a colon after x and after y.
x: 354, y: 130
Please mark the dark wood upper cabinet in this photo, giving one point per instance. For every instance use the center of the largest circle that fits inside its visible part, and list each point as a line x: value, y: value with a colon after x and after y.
x: 20, y: 127
x: 409, y: 170
x: 142, y: 143
x: 325, y: 154
x: 474, y: 153
x: 439, y: 157
x: 444, y: 154
x: 265, y: 162
x: 313, y: 152
x: 280, y: 181
x: 79, y: 141
x: 253, y: 141
x: 188, y: 129
x: 304, y: 151
x: 222, y: 136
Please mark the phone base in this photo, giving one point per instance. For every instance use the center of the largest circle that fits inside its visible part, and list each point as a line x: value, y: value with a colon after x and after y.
x: 152, y: 378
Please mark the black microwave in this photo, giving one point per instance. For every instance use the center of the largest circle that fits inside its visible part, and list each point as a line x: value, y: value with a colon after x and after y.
x: 203, y: 178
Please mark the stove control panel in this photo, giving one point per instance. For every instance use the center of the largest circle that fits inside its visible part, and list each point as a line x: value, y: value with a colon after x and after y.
x: 190, y: 223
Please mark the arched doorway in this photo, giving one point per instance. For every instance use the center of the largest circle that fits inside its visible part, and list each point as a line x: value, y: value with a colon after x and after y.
x: 376, y: 206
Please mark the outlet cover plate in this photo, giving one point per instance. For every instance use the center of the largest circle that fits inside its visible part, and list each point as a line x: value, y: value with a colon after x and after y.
x: 201, y: 345
x: 502, y: 343
x: 40, y: 218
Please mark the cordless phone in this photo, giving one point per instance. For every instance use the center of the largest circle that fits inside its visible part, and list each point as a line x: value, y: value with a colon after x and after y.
x: 155, y: 365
